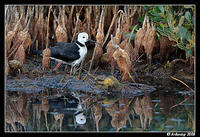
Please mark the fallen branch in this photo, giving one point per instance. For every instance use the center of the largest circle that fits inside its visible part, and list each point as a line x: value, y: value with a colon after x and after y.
x: 182, y: 83
x: 180, y: 102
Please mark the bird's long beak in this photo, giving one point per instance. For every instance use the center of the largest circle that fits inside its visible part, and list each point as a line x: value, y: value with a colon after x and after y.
x: 93, y: 41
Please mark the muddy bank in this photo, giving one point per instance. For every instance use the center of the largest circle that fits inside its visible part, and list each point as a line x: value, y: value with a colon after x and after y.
x: 71, y: 84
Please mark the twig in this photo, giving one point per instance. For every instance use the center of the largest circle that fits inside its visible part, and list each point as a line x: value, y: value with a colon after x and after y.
x: 180, y: 102
x: 77, y: 17
x: 135, y: 9
x: 14, y: 50
x: 113, y: 43
x: 139, y: 57
x: 129, y: 39
x: 54, y: 14
x: 113, y: 20
x: 89, y: 74
x: 144, y: 22
x: 91, y: 63
x: 95, y: 70
x: 182, y: 83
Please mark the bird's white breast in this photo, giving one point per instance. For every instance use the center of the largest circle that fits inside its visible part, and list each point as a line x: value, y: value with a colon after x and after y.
x: 82, y: 53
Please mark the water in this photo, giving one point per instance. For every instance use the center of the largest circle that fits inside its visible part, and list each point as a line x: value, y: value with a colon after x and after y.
x: 61, y: 110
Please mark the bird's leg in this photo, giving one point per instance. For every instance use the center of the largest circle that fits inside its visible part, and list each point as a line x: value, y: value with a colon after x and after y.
x: 71, y: 70
x: 57, y: 66
x: 66, y: 67
x: 74, y: 70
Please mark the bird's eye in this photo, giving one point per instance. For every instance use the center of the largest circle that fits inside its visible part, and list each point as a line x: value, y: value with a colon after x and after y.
x: 83, y: 37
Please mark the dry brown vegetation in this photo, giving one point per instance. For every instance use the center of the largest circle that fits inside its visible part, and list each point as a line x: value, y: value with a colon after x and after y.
x: 39, y: 27
x: 146, y: 37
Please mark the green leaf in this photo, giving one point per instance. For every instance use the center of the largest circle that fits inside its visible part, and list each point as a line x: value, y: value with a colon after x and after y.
x: 181, y: 46
x: 189, y: 52
x: 146, y: 8
x: 141, y: 19
x: 156, y: 19
x: 161, y: 9
x: 162, y: 25
x: 132, y: 37
x: 156, y: 9
x: 188, y: 36
x: 188, y: 16
x: 182, y: 32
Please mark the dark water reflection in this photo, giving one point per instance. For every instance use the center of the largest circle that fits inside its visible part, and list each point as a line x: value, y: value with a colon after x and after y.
x: 50, y: 110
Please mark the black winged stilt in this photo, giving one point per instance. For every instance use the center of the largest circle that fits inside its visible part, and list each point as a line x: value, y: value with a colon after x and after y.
x: 69, y: 53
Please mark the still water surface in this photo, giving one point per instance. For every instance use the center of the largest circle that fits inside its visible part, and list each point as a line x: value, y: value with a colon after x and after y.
x: 166, y: 109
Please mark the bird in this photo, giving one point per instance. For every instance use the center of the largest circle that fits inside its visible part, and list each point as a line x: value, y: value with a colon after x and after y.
x: 69, y: 53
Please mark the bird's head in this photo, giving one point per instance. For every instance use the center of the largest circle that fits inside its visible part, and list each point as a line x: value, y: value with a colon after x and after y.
x: 83, y: 37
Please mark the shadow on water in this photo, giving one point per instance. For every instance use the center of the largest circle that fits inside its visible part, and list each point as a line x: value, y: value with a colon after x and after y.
x: 67, y: 108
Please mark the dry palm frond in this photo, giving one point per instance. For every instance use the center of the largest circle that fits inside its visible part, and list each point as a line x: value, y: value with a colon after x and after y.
x: 166, y: 48
x: 22, y: 37
x: 146, y: 36
x: 61, y: 35
x: 20, y: 55
x: 127, y: 46
x: 139, y: 38
x: 112, y: 22
x: 110, y: 49
x: 12, y: 34
x: 124, y: 63
x: 46, y: 58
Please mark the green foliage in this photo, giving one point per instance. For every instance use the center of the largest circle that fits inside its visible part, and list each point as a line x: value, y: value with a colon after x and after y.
x: 176, y: 23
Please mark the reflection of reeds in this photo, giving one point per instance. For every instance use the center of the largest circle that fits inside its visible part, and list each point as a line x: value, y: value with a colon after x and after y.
x: 120, y: 114
x: 60, y: 117
x: 36, y: 115
x: 144, y: 108
x: 17, y: 112
x: 45, y: 108
x: 97, y: 112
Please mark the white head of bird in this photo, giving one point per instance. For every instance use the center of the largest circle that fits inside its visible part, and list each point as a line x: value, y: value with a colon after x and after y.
x: 83, y: 37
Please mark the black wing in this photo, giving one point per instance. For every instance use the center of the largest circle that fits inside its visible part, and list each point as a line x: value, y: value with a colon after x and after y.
x: 67, y: 52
